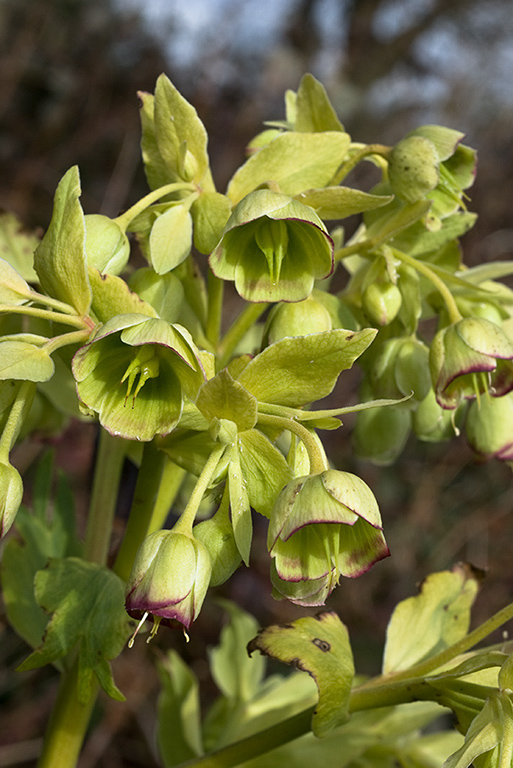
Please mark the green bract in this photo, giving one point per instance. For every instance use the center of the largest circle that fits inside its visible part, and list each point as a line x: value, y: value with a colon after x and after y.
x: 469, y: 357
x: 135, y: 373
x: 488, y: 427
x: 11, y: 493
x: 274, y: 248
x: 169, y: 578
x: 322, y: 527
x: 106, y: 244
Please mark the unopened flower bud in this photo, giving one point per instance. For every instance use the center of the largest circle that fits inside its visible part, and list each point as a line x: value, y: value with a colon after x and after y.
x: 413, y: 168
x: 11, y: 493
x: 107, y: 246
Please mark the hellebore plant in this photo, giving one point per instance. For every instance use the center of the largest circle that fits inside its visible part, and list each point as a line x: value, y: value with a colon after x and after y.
x: 219, y: 418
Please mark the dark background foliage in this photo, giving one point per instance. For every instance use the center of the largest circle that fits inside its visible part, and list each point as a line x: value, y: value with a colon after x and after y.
x: 69, y: 74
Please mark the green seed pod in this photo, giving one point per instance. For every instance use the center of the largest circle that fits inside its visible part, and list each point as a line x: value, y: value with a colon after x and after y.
x: 413, y: 168
x: 298, y: 319
x: 381, y: 302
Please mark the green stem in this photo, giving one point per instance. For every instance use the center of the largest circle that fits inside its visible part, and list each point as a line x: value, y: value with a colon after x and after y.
x: 102, y: 508
x: 19, y: 410
x: 170, y: 483
x: 352, y: 248
x: 424, y: 269
x: 185, y: 523
x: 68, y: 723
x: 255, y: 745
x: 238, y: 330
x: 44, y: 314
x: 443, y: 657
x: 318, y: 462
x: 215, y: 308
x: 301, y: 416
x: 369, y: 149
x: 60, y: 306
x: 124, y: 220
x: 298, y: 725
x: 65, y: 339
x: 70, y: 717
x: 141, y: 512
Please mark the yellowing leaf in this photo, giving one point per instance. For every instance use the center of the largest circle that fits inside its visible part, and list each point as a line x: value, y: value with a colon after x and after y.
x: 320, y: 646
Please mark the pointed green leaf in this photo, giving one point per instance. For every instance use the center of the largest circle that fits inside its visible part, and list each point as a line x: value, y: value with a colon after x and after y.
x: 181, y: 136
x: 389, y: 224
x: 13, y: 288
x: 179, y: 717
x: 439, y: 616
x: 155, y: 169
x: 339, y: 202
x: 87, y: 603
x: 210, y: 213
x: 17, y: 246
x: 223, y: 398
x: 112, y: 296
x: 22, y: 360
x: 264, y: 468
x: 239, y: 505
x: 295, y: 161
x: 314, y: 111
x: 320, y: 646
x: 296, y: 371
x: 60, y: 259
x: 236, y: 674
x: 40, y: 536
x: 417, y: 240
x: 171, y: 239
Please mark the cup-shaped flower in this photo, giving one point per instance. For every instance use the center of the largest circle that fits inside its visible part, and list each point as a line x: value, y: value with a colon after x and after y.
x: 322, y: 527
x: 169, y: 578
x: 273, y: 247
x: 468, y: 357
x: 135, y: 373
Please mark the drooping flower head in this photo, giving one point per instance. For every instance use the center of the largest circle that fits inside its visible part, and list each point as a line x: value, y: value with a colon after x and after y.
x: 135, y: 373
x: 274, y: 248
x: 169, y: 578
x: 322, y: 527
x: 469, y: 357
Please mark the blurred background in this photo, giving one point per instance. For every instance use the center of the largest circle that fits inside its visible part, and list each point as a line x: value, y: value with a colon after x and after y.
x: 69, y: 75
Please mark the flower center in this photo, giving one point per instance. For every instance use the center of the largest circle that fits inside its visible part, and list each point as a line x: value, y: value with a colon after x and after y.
x: 144, y: 366
x: 272, y: 239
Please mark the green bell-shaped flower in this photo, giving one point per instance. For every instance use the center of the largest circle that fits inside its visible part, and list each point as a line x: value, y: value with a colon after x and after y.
x: 322, y: 527
x: 169, y: 578
x: 135, y: 373
x: 469, y: 357
x: 274, y: 248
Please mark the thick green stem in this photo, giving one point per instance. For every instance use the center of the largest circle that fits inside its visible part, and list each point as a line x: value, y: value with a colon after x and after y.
x: 68, y: 723
x: 238, y: 330
x: 215, y: 308
x: 318, y: 461
x: 301, y: 723
x: 102, y: 508
x: 70, y: 717
x: 141, y: 512
x: 170, y: 483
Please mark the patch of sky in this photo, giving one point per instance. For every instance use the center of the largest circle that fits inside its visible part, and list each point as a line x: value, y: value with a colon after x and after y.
x: 393, y: 17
